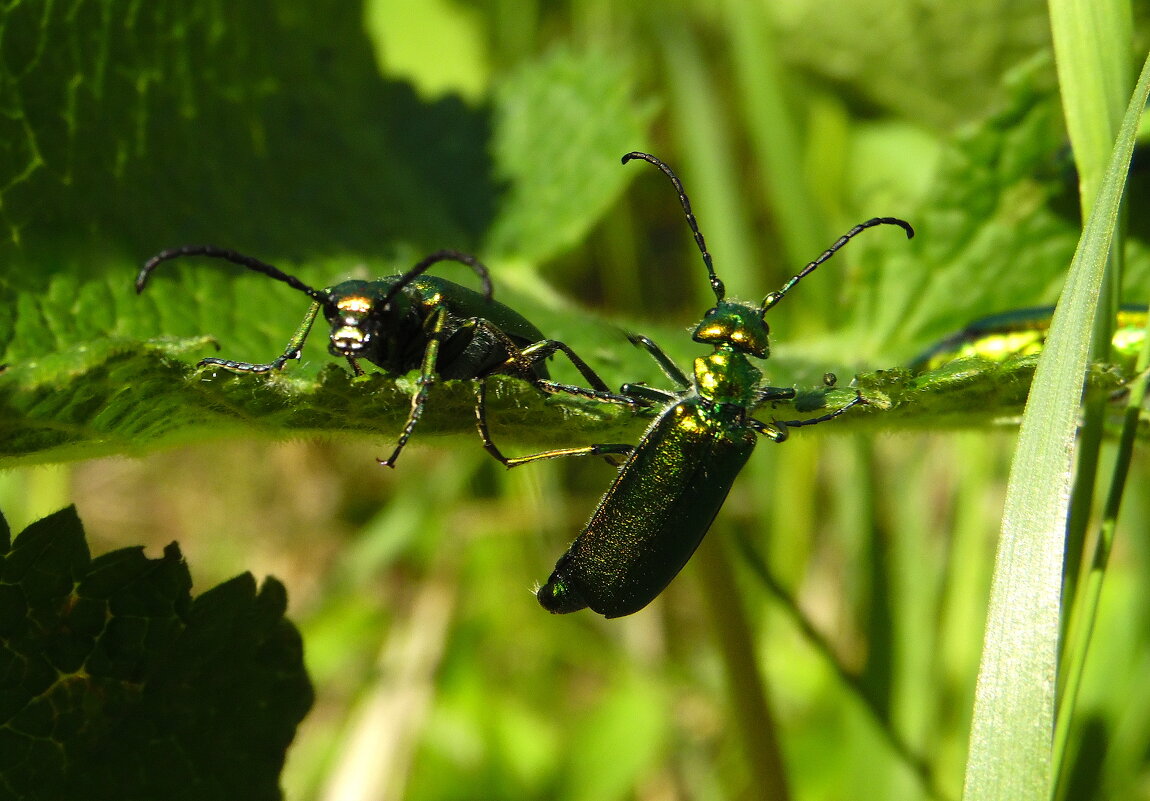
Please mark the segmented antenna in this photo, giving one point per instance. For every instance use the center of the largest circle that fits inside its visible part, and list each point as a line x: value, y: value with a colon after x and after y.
x: 774, y: 297
x: 434, y: 258
x: 716, y: 284
x: 235, y: 258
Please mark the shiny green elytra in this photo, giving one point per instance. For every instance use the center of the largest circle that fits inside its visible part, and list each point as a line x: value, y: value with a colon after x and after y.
x: 413, y: 321
x: 674, y: 482
x: 1022, y: 332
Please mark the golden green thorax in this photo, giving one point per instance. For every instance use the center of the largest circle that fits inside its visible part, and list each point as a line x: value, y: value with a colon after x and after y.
x: 727, y: 376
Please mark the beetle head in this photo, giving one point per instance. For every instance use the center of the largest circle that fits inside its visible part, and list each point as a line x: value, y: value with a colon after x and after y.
x: 362, y: 322
x: 739, y: 325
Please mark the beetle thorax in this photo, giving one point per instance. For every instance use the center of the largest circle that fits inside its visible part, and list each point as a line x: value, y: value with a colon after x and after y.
x: 727, y: 376
x: 738, y: 325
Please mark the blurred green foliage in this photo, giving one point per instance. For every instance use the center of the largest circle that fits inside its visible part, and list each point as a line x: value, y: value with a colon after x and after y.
x: 338, y: 140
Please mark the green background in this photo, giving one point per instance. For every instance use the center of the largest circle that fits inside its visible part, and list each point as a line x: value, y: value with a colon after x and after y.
x: 834, y: 616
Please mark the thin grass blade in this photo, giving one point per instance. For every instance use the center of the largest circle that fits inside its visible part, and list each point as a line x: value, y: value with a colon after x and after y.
x: 1010, y: 741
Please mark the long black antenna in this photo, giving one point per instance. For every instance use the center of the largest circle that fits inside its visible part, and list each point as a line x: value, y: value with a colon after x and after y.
x: 434, y: 258
x: 774, y: 297
x: 716, y: 284
x: 235, y: 258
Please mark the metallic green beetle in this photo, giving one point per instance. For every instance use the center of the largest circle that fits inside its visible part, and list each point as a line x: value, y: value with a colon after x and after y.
x: 675, y: 480
x: 1022, y: 332
x: 414, y: 321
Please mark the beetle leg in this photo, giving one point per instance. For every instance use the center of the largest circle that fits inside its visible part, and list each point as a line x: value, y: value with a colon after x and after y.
x: 775, y: 430
x: 605, y: 450
x: 669, y: 368
x: 622, y: 398
x: 517, y: 357
x: 768, y: 394
x: 544, y: 349
x: 782, y: 425
x: 425, y: 381
x: 292, y: 351
x: 524, y: 360
x: 651, y: 395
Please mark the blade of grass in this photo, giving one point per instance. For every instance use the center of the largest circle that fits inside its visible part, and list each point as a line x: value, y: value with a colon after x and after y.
x: 1010, y: 740
x: 746, y: 685
x: 914, y: 761
x: 1085, y: 610
x: 710, y: 168
x: 772, y: 130
x: 1092, y: 45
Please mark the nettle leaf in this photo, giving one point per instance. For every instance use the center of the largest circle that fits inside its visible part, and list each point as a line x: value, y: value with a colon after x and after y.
x: 561, y: 126
x: 970, y: 392
x: 907, y: 60
x: 268, y: 128
x: 996, y: 233
x: 115, y: 396
x: 116, y: 684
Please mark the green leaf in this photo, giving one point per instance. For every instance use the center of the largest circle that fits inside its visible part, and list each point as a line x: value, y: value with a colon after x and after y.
x: 993, y: 235
x: 115, y: 396
x: 93, y: 369
x: 453, y: 31
x: 908, y: 60
x: 965, y: 393
x: 989, y: 236
x: 132, y: 128
x: 561, y: 124
x: 117, y: 684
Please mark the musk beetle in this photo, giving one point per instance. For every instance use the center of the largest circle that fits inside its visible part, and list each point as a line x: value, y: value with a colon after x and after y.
x: 1022, y: 332
x: 674, y: 481
x: 415, y: 321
